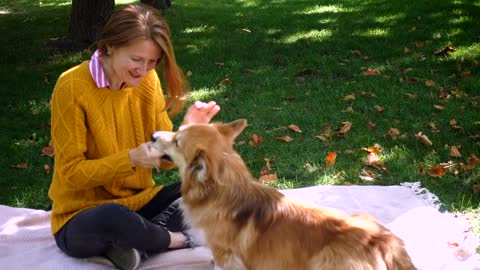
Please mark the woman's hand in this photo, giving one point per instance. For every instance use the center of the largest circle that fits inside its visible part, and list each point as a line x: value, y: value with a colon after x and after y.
x: 201, y: 113
x: 145, y: 155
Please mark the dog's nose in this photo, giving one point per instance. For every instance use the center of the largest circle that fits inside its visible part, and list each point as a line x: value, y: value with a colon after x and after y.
x: 154, y: 136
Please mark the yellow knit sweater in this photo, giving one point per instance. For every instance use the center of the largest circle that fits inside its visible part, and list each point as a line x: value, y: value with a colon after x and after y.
x: 92, y: 131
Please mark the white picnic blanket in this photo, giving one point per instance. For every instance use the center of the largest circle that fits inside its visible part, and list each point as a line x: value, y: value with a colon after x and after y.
x: 435, y: 241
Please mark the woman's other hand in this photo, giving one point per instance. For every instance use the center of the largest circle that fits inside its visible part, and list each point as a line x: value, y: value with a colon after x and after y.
x: 145, y: 155
x: 201, y: 113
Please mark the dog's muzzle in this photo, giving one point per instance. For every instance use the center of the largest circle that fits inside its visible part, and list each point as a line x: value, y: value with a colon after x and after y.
x: 154, y: 137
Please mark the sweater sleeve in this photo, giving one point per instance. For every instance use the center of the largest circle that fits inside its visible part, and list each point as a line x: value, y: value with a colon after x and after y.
x: 69, y: 136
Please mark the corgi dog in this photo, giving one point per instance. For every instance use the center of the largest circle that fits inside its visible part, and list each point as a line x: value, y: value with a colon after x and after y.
x: 248, y: 225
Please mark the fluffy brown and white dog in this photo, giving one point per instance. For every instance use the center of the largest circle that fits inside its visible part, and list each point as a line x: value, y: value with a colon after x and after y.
x: 248, y: 225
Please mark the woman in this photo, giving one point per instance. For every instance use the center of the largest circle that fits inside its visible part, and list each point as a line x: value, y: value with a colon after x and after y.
x: 103, y: 113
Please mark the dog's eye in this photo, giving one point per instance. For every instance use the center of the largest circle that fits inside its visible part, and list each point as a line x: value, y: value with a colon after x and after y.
x: 175, y: 141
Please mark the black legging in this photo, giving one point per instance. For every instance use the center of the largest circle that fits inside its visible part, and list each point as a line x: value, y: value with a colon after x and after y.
x: 92, y: 231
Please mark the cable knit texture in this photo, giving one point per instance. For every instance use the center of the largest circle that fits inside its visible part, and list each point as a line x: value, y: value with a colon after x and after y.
x: 92, y: 131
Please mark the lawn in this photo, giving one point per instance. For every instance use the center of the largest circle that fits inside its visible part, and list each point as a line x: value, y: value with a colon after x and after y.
x: 344, y: 92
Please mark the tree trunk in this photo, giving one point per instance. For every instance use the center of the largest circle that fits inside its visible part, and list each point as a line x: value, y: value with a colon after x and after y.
x: 87, y: 19
x: 158, y: 4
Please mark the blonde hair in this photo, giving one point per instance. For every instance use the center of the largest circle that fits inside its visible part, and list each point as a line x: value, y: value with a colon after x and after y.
x: 139, y: 21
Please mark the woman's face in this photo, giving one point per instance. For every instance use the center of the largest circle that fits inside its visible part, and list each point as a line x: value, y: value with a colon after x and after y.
x: 130, y: 64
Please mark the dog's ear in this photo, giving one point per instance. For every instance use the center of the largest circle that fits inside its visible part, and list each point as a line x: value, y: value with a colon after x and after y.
x: 232, y: 129
x: 198, y: 167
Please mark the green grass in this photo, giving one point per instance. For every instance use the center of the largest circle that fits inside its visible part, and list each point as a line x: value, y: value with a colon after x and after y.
x: 289, y: 62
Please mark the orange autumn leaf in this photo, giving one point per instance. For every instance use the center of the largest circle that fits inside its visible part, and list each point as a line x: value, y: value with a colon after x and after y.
x: 225, y: 82
x: 48, y: 151
x: 370, y: 72
x: 423, y: 139
x: 284, y: 138
x: 377, y: 149
x: 437, y: 171
x: 452, y: 245
x: 268, y: 178
x: 256, y: 140
x: 331, y: 158
x: 295, y: 128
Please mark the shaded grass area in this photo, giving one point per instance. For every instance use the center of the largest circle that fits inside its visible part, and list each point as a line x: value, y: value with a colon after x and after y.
x: 287, y: 62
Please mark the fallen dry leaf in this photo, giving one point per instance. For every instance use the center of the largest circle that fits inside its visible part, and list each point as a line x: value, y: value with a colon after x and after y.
x: 437, y: 171
x: 371, y: 125
x: 433, y: 126
x: 439, y: 107
x: 454, y: 152
x: 393, y: 132
x: 349, y: 97
x: 331, y: 158
x: 367, y: 175
x: 324, y: 137
x: 268, y: 178
x: 379, y: 109
x: 370, y: 72
x: 256, y: 140
x: 472, y: 163
x: 225, y: 82
x: 454, y: 125
x: 423, y: 138
x: 46, y: 169
x: 344, y: 127
x: 48, y: 151
x: 377, y: 149
x: 349, y: 109
x: 284, y: 138
x: 419, y: 43
x: 295, y: 128
x: 429, y: 83
x: 411, y: 96
x: 21, y: 166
